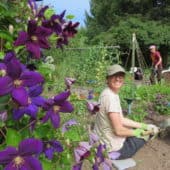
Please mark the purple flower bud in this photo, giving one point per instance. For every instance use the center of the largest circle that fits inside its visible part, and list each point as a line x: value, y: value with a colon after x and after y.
x: 3, y: 116
x: 69, y: 81
x: 93, y: 107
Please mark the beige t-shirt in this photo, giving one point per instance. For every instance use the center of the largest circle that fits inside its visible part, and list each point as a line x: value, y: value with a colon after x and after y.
x: 109, y: 102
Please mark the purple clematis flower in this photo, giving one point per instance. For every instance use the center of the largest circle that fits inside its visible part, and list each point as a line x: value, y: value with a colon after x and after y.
x: 70, y: 29
x: 69, y: 81
x: 23, y: 157
x: 32, y: 4
x: 113, y: 155
x: 69, y: 123
x: 34, y: 101
x: 34, y: 39
x: 62, y: 40
x: 90, y: 95
x: 77, y: 166
x: 55, y: 23
x: 101, y: 160
x: 82, y: 151
x: 93, y: 106
x: 56, y: 105
x: 16, y: 79
x: 51, y: 147
x: 41, y: 12
x: 93, y: 138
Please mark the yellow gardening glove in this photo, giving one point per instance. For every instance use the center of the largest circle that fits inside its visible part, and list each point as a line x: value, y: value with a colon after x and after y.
x: 138, y: 132
x: 144, y: 126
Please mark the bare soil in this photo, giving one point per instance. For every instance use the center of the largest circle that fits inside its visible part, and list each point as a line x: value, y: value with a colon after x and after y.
x: 155, y: 155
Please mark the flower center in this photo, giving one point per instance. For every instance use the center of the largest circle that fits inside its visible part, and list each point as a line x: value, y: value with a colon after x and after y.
x: 17, y: 83
x: 29, y: 100
x: 2, y: 73
x: 56, y: 108
x: 34, y: 38
x: 57, y: 21
x: 18, y: 161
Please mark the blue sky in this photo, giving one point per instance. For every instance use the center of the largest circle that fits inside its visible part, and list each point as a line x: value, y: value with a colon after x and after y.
x: 74, y: 7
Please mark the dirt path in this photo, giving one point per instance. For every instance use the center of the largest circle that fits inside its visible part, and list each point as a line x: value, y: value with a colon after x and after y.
x: 155, y: 155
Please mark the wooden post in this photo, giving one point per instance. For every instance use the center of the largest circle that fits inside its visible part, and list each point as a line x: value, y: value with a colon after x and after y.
x: 133, y: 50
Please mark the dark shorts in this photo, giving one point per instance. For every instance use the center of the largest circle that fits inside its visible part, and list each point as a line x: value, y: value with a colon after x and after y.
x: 130, y: 147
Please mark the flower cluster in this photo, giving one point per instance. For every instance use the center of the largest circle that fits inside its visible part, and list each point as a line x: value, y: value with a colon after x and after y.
x: 95, y: 152
x: 22, y: 87
x: 40, y: 28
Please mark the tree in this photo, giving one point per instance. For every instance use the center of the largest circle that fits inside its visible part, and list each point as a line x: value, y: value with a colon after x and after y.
x: 113, y: 22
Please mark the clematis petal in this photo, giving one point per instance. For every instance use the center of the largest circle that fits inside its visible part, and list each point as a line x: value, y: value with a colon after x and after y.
x: 33, y: 163
x: 3, y: 66
x: 66, y: 107
x: 42, y: 11
x: 34, y: 49
x: 32, y: 26
x: 95, y: 166
x: 14, y: 68
x: 93, y: 138
x: 20, y: 96
x: 29, y: 163
x: 69, y: 81
x: 43, y: 43
x: 47, y: 116
x: 55, y: 120
x: 35, y: 90
x: 18, y: 113
x: 49, y: 153
x: 6, y: 85
x: 11, y: 166
x: 3, y: 116
x: 57, y: 146
x: 22, y: 38
x: 31, y: 78
x: 106, y: 166
x: 39, y: 101
x: 9, y: 55
x: 62, y: 97
x: 69, y: 123
x: 77, y: 166
x: 7, y: 155
x: 30, y: 146
x: 114, y: 155
x: 43, y: 32
x: 32, y: 110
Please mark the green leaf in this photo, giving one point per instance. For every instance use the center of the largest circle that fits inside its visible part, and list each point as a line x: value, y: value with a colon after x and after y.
x: 4, y: 102
x: 72, y: 134
x: 12, y: 137
x: 47, y: 165
x: 17, y: 49
x: 65, y: 158
x: 48, y: 13
x: 70, y: 16
x: 6, y: 35
x: 42, y: 131
x: 2, y: 54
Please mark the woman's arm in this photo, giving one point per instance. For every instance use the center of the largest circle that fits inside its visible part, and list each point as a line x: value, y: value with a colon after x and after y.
x: 130, y: 123
x: 118, y: 125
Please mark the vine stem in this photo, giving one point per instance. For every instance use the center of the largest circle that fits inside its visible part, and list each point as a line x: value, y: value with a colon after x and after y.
x: 27, y: 126
x: 2, y: 133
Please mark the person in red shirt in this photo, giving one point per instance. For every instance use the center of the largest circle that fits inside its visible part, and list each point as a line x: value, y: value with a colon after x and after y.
x: 156, y: 65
